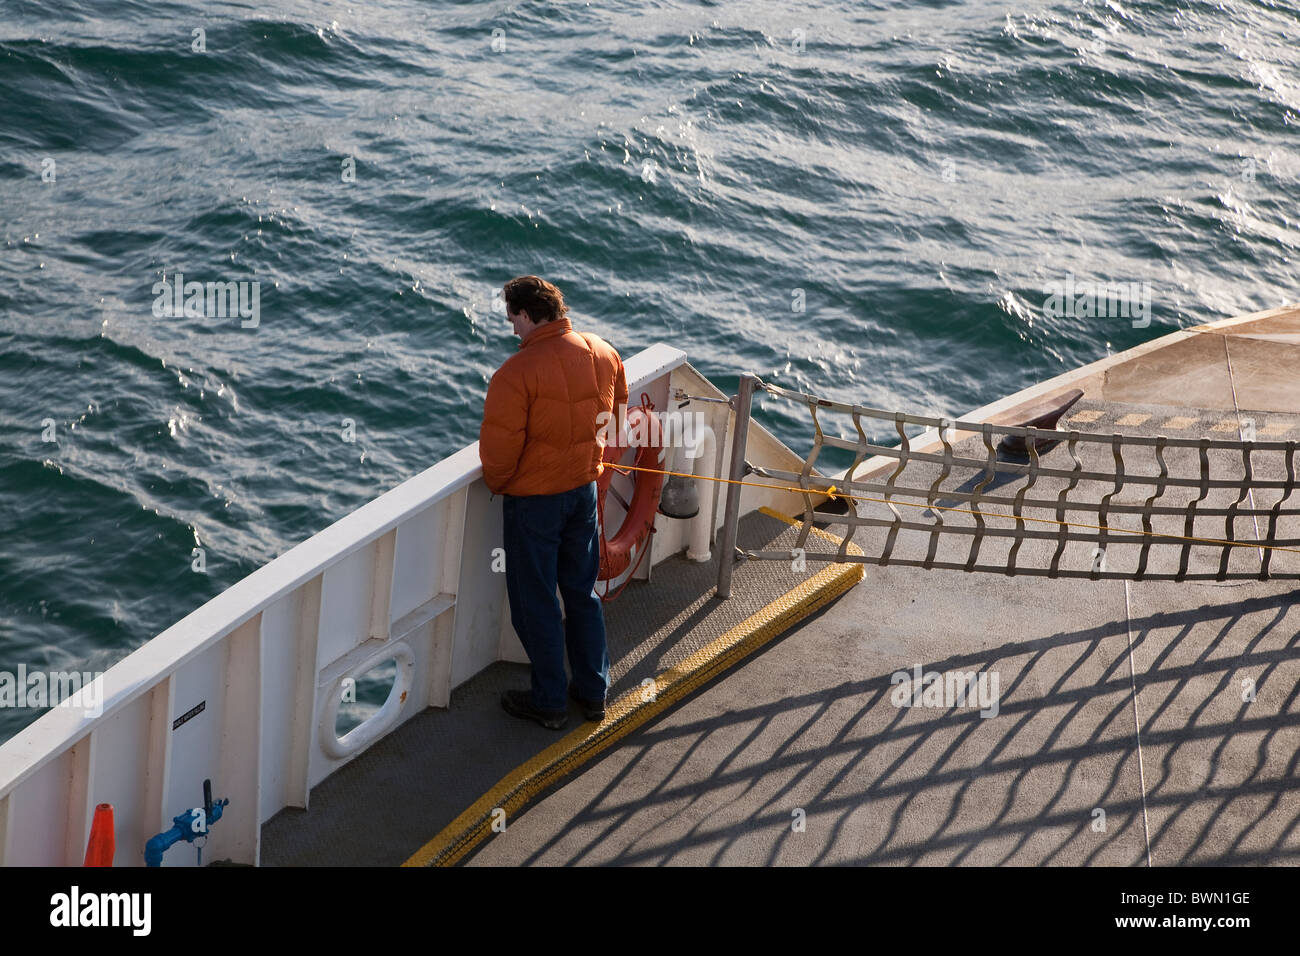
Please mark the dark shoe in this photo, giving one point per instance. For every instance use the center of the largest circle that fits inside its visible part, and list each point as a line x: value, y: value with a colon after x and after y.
x: 590, y: 708
x: 519, y: 703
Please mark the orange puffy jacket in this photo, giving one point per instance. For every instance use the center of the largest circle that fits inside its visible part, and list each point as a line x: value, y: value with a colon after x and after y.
x: 538, y: 435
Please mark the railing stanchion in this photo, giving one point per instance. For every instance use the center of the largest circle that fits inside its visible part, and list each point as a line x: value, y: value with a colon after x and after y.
x: 731, y: 518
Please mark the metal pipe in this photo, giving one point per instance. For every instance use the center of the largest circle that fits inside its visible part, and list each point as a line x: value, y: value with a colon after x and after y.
x: 702, y: 524
x: 731, y: 519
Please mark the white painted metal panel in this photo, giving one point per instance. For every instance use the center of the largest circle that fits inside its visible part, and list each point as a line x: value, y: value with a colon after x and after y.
x: 420, y: 639
x: 121, y: 780
x: 346, y: 604
x: 39, y: 816
x: 451, y: 532
x: 304, y: 706
x: 196, y: 744
x: 280, y: 626
x: 151, y: 816
x: 76, y: 832
x: 432, y: 649
x: 381, y: 585
x: 438, y: 689
x: 418, y: 564
x: 481, y: 602
x: 509, y: 647
x: 237, y: 835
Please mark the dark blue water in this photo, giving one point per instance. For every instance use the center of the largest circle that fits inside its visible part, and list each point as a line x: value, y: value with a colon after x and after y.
x: 920, y: 171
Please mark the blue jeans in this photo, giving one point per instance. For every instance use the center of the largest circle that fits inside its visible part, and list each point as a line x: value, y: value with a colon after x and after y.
x: 549, y: 540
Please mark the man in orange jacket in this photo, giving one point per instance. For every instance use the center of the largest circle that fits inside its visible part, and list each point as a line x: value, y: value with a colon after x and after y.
x: 540, y: 450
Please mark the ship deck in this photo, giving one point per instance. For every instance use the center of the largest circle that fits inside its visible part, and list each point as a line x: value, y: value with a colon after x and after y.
x: 1138, y: 722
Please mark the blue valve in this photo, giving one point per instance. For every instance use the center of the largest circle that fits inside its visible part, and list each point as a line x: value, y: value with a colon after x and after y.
x: 187, y: 826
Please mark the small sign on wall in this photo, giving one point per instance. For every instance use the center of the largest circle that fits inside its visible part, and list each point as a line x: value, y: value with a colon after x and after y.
x: 192, y: 712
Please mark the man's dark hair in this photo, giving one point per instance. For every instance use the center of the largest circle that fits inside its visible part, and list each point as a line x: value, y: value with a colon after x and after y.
x: 542, y: 301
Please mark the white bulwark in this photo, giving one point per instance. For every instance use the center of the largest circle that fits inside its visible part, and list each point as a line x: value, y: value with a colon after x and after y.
x: 245, y: 690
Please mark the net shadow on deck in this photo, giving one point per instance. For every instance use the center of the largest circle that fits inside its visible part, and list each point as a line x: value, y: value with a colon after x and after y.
x: 887, y: 785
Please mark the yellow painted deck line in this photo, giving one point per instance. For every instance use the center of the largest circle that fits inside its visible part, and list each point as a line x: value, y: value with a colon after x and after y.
x: 638, y: 705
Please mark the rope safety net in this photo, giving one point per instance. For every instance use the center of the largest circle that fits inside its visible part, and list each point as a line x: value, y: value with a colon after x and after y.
x: 1073, y: 504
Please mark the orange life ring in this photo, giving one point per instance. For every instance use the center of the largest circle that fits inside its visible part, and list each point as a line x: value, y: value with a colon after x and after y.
x: 616, y: 552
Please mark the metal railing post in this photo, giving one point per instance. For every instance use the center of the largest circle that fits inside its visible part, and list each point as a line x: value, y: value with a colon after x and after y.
x: 731, y: 518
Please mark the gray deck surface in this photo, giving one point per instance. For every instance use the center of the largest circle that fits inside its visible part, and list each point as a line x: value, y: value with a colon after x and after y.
x: 808, y: 725
x: 1119, y: 697
x: 395, y: 797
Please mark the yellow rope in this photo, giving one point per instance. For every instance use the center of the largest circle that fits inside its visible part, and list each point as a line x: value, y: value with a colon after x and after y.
x: 833, y: 494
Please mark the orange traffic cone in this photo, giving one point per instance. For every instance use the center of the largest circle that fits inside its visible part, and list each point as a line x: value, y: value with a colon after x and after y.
x: 99, y: 851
